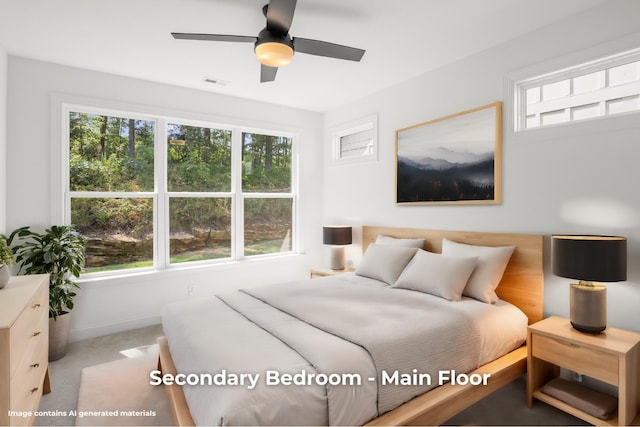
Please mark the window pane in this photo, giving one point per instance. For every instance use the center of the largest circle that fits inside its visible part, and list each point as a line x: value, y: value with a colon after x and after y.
x: 555, y: 90
x: 200, y: 228
x: 624, y: 74
x: 552, y: 117
x: 588, y: 82
x: 585, y: 111
x: 623, y: 105
x: 110, y: 153
x: 532, y: 121
x: 119, y: 232
x: 356, y: 144
x: 267, y: 226
x: 533, y: 95
x: 266, y: 163
x: 198, y: 159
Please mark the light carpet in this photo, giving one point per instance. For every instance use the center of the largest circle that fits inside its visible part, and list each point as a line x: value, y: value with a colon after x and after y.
x: 129, y: 400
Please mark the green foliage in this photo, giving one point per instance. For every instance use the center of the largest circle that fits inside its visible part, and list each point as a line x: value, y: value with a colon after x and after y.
x: 203, y: 163
x: 6, y: 254
x: 130, y: 216
x: 59, y: 252
x: 267, y: 163
x: 117, y: 154
x: 110, y: 153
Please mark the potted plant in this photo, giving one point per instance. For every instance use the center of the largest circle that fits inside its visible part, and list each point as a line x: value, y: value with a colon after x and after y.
x: 59, y: 252
x: 6, y: 259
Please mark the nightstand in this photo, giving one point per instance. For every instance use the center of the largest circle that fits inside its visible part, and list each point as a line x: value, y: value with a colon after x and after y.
x: 612, y: 357
x: 324, y: 272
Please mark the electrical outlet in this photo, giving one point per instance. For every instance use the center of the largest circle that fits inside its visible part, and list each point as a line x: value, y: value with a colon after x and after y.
x: 576, y: 376
x: 191, y: 288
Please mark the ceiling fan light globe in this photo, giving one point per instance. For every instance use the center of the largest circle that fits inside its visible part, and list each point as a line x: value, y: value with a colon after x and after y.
x: 274, y: 54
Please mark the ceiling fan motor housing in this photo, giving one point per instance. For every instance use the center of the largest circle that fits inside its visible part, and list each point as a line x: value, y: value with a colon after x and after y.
x: 274, y: 50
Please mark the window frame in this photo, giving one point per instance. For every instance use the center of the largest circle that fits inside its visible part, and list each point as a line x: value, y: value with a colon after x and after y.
x: 520, y: 82
x: 62, y: 195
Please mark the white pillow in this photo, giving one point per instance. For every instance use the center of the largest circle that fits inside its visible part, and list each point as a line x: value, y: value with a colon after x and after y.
x: 385, y: 263
x: 436, y: 274
x: 492, y: 261
x: 409, y: 243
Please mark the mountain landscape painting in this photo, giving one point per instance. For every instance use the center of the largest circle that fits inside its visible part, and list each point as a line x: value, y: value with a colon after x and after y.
x: 454, y: 159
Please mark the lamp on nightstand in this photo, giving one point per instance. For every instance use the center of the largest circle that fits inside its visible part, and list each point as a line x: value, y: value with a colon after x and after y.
x: 338, y: 237
x: 589, y: 259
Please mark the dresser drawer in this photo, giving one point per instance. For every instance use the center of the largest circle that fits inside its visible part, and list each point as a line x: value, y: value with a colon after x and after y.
x: 24, y: 346
x: 26, y: 393
x: 581, y: 359
x: 31, y: 327
x: 25, y: 396
x: 29, y: 373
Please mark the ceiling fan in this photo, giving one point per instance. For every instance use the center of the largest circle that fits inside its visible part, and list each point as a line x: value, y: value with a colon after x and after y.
x: 274, y: 47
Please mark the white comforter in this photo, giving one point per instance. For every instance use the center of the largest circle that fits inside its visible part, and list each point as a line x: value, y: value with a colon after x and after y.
x: 340, y: 325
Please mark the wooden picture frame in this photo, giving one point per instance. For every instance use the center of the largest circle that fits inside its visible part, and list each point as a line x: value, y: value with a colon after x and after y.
x: 456, y: 159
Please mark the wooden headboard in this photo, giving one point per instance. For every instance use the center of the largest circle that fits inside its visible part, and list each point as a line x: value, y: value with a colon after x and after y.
x: 523, y: 282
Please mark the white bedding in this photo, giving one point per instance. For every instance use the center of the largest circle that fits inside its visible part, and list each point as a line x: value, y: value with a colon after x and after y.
x: 237, y: 333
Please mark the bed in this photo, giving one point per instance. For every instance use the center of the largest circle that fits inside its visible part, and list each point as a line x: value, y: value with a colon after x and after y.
x: 285, y: 310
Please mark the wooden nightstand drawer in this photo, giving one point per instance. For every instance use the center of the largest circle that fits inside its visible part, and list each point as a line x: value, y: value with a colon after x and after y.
x: 581, y: 359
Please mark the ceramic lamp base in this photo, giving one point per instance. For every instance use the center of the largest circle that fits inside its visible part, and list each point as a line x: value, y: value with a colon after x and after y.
x: 588, y: 307
x: 337, y: 258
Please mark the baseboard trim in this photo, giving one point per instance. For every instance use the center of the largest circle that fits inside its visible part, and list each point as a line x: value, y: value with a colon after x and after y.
x: 112, y: 328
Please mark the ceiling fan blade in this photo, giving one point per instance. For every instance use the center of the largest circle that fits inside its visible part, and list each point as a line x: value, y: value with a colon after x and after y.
x: 267, y: 74
x: 332, y: 50
x: 280, y: 15
x: 214, y: 37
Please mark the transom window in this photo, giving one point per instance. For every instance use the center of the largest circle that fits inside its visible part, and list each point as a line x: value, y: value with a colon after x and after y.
x: 152, y: 192
x: 600, y: 88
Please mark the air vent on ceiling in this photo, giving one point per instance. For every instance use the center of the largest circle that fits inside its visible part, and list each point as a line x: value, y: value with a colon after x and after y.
x: 216, y: 81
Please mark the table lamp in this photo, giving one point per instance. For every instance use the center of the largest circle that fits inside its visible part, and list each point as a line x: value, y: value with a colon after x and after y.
x: 338, y: 237
x: 589, y: 259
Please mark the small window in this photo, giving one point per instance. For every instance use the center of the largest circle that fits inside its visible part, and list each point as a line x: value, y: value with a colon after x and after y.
x: 355, y: 141
x: 596, y: 89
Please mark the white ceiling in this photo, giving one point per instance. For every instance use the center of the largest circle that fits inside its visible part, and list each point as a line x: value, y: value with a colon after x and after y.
x: 403, y: 38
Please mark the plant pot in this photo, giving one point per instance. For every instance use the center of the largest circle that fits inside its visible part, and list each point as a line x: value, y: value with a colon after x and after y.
x: 59, y: 336
x: 5, y: 275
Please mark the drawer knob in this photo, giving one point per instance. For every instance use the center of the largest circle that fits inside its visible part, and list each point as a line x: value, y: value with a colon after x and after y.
x: 35, y: 334
x: 35, y: 365
x: 36, y: 305
x: 33, y: 390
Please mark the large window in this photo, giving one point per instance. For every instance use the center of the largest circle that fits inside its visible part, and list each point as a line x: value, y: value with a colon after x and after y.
x: 150, y: 192
x: 604, y: 87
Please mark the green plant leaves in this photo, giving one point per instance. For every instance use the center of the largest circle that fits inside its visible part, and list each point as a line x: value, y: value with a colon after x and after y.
x: 59, y: 252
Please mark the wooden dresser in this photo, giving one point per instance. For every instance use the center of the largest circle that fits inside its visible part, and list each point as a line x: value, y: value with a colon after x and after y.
x: 24, y: 347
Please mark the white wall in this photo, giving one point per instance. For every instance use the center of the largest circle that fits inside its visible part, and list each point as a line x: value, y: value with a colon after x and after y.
x: 3, y: 138
x: 115, y: 304
x: 579, y: 178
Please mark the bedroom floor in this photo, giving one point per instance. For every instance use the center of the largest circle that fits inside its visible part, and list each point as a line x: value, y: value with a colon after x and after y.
x: 504, y: 407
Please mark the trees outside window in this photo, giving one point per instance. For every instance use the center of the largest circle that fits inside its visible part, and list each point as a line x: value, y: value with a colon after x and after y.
x: 151, y: 192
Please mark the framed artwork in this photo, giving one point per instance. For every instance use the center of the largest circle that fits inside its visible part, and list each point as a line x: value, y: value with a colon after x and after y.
x: 356, y: 141
x: 455, y: 159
